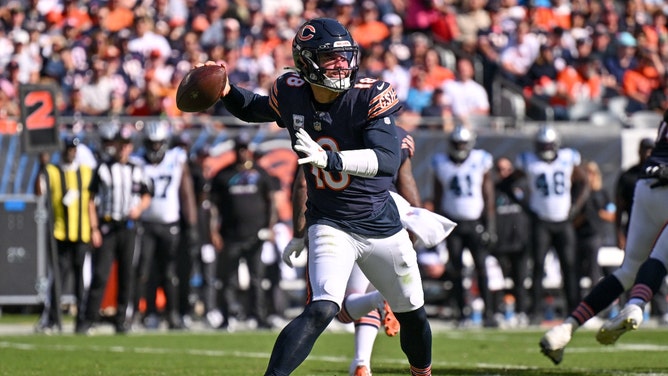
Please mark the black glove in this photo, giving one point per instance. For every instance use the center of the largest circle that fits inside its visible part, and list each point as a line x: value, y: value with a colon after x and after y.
x: 489, y: 236
x: 192, y: 238
x: 659, y: 172
x: 573, y: 212
x: 489, y: 239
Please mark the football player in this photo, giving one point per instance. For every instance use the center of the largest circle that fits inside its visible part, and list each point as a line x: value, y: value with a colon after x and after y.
x: 173, y: 194
x: 552, y: 172
x: 364, y: 305
x: 464, y: 191
x: 344, y: 132
x: 645, y: 260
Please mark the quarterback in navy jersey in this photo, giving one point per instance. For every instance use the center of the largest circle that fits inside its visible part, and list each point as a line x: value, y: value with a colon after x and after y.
x: 345, y: 134
x: 645, y: 260
x: 359, y: 121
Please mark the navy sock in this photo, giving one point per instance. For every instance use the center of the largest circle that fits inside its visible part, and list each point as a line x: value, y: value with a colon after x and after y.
x: 297, y: 339
x: 599, y: 298
x: 415, y: 337
x: 651, y: 273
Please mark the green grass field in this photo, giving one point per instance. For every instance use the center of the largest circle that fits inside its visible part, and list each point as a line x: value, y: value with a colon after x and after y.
x: 455, y: 352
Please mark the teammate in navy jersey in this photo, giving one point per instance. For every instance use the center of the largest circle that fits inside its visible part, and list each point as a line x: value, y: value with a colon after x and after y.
x: 645, y: 260
x: 350, y: 215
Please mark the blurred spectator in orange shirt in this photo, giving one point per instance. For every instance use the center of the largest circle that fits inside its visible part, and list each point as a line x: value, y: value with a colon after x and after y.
x: 656, y: 29
x: 370, y: 30
x: 436, y: 73
x: 578, y: 84
x: 639, y: 83
x: 114, y: 16
x: 269, y: 36
x: 72, y: 15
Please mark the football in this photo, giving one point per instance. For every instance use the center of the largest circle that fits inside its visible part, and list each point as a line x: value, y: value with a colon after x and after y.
x: 200, y: 88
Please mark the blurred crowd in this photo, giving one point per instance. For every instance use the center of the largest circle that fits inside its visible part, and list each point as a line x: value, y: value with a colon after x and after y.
x: 126, y: 57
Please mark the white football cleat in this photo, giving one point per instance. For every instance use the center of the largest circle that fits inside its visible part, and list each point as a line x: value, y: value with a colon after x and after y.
x: 629, y: 318
x: 555, y: 340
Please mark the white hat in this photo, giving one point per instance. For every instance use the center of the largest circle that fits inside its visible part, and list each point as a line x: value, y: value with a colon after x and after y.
x: 392, y: 19
x: 20, y: 36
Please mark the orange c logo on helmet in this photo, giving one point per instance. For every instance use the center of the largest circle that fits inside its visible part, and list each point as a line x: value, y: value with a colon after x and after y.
x: 307, y: 33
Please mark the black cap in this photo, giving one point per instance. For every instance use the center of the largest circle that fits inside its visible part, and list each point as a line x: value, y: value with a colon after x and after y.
x: 647, y: 143
x: 242, y: 141
x: 72, y: 141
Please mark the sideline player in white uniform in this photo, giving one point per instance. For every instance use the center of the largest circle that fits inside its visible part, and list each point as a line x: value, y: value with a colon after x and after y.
x: 553, y: 174
x: 173, y: 196
x: 645, y: 260
x: 464, y: 192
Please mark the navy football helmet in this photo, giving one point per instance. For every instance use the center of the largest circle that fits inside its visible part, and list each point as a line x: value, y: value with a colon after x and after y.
x: 317, y: 41
x: 547, y: 143
x: 462, y: 141
x: 156, y: 139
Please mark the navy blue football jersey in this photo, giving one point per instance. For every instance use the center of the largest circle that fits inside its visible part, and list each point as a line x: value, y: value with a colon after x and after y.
x: 360, y: 118
x: 659, y: 154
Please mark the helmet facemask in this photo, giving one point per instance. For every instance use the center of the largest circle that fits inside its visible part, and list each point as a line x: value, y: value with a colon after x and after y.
x: 157, y: 134
x: 325, y: 55
x: 547, y: 144
x: 155, y: 151
x: 337, y: 78
x: 462, y: 141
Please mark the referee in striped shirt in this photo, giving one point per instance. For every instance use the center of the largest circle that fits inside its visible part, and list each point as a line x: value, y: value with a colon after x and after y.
x: 121, y: 195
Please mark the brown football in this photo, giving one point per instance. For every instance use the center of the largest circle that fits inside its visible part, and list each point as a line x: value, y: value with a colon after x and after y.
x: 200, y: 88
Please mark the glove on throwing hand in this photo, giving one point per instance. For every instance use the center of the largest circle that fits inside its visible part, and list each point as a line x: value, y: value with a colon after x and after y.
x: 296, y: 246
x: 315, y: 155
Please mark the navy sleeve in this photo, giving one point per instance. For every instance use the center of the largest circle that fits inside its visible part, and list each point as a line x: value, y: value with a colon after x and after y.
x: 248, y: 106
x: 381, y: 137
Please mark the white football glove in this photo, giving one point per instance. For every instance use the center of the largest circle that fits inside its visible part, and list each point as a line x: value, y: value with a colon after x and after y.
x: 315, y: 155
x: 296, y: 246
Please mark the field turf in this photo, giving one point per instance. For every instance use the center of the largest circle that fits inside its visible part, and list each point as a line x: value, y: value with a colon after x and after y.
x: 455, y: 352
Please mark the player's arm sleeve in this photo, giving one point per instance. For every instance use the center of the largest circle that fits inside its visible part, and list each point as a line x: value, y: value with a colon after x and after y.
x: 382, y: 157
x: 249, y: 106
